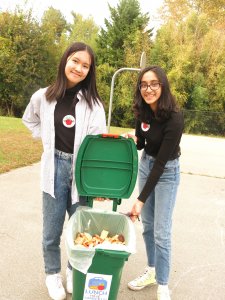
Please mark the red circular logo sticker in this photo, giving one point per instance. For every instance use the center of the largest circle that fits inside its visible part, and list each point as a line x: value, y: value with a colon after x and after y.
x: 69, y: 121
x: 145, y: 126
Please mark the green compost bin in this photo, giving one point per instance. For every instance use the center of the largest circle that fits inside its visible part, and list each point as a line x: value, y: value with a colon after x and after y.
x: 106, y: 166
x: 105, y: 262
x: 97, y: 271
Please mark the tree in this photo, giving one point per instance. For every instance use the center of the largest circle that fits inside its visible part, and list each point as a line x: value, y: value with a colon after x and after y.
x: 31, y: 51
x: 104, y: 76
x: 120, y: 45
x: 175, y: 10
x: 135, y: 44
x: 83, y: 30
x: 53, y: 24
x: 24, y: 59
x: 191, y: 47
x: 214, y: 10
x: 54, y: 28
x: 126, y: 19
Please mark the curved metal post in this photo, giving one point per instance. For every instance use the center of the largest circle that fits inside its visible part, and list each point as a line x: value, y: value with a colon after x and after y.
x: 111, y: 92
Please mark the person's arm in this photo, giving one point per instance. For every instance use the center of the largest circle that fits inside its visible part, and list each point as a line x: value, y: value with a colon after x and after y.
x: 31, y: 116
x: 171, y: 139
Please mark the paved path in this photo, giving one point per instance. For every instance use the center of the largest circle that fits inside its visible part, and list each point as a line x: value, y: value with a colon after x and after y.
x: 198, y: 259
x: 203, y: 156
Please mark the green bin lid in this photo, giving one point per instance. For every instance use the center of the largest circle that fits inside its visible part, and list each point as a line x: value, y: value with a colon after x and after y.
x: 106, y: 166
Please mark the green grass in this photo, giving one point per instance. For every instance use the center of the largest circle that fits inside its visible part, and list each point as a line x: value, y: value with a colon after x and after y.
x: 119, y: 130
x: 18, y: 148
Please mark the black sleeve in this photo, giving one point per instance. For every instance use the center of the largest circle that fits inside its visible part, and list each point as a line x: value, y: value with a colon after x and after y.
x: 171, y: 140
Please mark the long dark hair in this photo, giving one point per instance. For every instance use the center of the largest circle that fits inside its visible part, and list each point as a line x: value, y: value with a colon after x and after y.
x: 166, y: 103
x: 57, y: 90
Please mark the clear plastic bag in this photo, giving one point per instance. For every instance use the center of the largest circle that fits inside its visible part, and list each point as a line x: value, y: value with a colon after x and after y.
x: 93, y: 221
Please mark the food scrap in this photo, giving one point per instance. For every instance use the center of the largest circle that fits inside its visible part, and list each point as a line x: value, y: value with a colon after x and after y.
x: 87, y: 240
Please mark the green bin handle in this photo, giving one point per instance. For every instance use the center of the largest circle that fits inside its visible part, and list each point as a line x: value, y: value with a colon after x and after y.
x: 115, y: 202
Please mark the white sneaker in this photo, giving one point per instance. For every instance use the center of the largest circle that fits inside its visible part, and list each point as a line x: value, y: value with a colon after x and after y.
x: 163, y: 292
x: 147, y: 278
x: 55, y: 288
x: 69, y: 280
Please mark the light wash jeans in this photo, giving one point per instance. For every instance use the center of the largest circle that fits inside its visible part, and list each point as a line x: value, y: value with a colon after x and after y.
x: 157, y: 213
x: 54, y: 211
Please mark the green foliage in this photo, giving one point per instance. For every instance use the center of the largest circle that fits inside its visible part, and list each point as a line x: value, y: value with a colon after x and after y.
x: 121, y: 45
x: 83, y: 30
x: 24, y: 59
x: 204, y: 122
x: 189, y: 45
x: 137, y: 42
x: 126, y: 19
x: 122, y: 110
x: 104, y: 77
x: 192, y: 53
x: 53, y: 24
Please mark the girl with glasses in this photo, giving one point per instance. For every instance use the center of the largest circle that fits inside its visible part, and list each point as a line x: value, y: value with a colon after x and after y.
x: 159, y: 127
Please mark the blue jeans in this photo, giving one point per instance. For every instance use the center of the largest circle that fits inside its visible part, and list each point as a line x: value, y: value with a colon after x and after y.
x: 54, y: 211
x: 157, y: 213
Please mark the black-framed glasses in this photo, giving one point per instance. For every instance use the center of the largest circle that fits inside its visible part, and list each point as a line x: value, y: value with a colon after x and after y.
x: 154, y: 86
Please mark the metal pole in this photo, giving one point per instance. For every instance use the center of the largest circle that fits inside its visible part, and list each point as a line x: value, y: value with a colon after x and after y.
x: 111, y: 92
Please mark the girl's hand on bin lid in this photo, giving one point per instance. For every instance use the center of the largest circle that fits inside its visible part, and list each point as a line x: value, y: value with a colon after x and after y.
x: 136, y: 210
x: 129, y: 135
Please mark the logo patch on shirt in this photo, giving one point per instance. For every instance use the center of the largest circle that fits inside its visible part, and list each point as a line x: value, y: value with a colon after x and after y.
x: 69, y: 121
x: 145, y: 126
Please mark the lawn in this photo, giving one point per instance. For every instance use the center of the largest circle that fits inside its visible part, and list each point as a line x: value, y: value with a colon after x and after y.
x: 18, y: 148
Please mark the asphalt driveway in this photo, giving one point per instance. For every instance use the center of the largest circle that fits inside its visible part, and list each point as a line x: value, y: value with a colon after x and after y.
x: 198, y: 257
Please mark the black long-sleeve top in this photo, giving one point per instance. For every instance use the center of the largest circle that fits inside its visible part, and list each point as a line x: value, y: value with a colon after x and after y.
x: 160, y: 140
x: 65, y: 109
